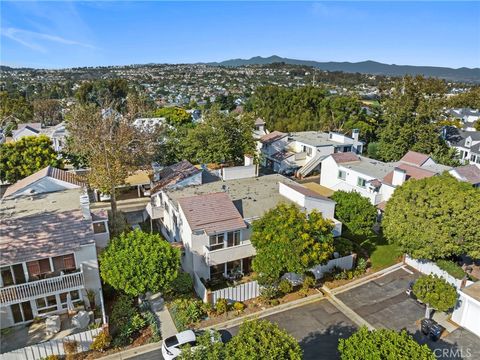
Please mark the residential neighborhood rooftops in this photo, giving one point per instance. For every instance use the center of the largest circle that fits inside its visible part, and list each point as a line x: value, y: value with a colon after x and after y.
x: 173, y: 174
x: 345, y: 157
x: 469, y: 173
x: 54, y: 202
x: 414, y: 158
x: 251, y: 196
x: 414, y: 172
x: 43, y: 235
x: 49, y: 171
x: 374, y: 168
x: 318, y: 138
x: 211, y: 212
x: 271, y: 137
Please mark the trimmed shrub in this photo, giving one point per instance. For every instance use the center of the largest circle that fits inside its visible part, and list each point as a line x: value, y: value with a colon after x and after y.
x: 221, y: 306
x: 268, y: 292
x: 285, y: 286
x: 308, y: 282
x: 122, y: 311
x: 451, y: 268
x: 183, y: 284
x: 239, y: 307
x: 101, y: 342
x: 343, y: 246
x: 186, y: 312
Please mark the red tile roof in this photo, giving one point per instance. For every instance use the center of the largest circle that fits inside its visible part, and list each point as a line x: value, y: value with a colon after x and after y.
x: 43, y: 235
x: 211, y: 212
x: 49, y: 171
x: 273, y: 136
x: 414, y: 158
x: 345, y: 157
x: 412, y: 172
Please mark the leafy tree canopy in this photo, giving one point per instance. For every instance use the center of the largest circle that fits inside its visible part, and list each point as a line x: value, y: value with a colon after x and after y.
x: 261, y: 339
x: 220, y: 138
x: 409, y: 115
x: 355, y: 212
x: 137, y: 262
x: 104, y: 93
x: 436, y: 292
x: 434, y: 218
x: 16, y: 106
x: 287, y: 240
x: 19, y: 159
x: 383, y: 344
x: 175, y: 116
x: 469, y: 99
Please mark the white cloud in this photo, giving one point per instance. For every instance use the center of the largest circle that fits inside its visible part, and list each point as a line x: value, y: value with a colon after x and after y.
x: 33, y: 39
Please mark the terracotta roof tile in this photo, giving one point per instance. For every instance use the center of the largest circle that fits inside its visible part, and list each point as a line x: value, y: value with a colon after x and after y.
x: 414, y: 158
x: 213, y: 213
x: 271, y: 137
x: 345, y: 157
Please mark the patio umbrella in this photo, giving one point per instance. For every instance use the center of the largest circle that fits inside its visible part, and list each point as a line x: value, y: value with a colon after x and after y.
x: 70, y: 306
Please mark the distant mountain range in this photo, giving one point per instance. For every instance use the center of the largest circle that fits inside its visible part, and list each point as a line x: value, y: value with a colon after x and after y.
x: 366, y: 67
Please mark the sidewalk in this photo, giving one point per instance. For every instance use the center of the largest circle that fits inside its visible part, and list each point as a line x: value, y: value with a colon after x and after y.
x: 167, y: 326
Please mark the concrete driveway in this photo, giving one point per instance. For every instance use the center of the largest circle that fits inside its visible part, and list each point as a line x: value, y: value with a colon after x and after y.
x: 316, y: 326
x: 383, y: 302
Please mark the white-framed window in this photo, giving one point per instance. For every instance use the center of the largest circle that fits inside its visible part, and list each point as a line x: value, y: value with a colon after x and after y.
x: 46, y: 304
x: 233, y: 238
x: 361, y: 182
x: 99, y: 227
x: 75, y: 296
x: 342, y: 174
x: 216, y: 241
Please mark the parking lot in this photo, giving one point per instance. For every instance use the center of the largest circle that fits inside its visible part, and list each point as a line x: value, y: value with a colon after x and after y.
x: 316, y: 326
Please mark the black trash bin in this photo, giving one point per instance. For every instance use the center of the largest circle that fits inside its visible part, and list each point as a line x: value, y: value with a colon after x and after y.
x: 436, y: 331
x: 426, y: 325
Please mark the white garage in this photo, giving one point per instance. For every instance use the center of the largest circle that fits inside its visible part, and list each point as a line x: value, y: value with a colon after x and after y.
x: 467, y: 311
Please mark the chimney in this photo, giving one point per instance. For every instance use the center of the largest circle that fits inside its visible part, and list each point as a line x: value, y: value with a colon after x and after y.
x: 85, y: 206
x: 399, y: 176
x: 355, y: 134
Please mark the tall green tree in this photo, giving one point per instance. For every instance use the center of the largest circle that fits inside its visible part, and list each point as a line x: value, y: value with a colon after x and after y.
x: 174, y: 116
x: 410, y: 113
x: 383, y: 344
x: 19, y: 159
x: 470, y: 99
x: 47, y: 111
x: 137, y: 262
x: 434, y: 218
x: 261, y: 339
x: 355, y: 212
x: 288, y: 240
x: 104, y: 93
x: 14, y: 106
x: 220, y: 138
x: 205, y: 349
x: 435, y: 292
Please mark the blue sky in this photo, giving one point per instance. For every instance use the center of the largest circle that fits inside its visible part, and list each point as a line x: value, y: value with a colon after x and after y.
x: 67, y: 34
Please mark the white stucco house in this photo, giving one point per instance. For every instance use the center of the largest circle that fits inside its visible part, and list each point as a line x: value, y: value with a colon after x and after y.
x: 213, y: 220
x: 467, y: 310
x: 374, y: 179
x: 467, y: 144
x: 49, y: 253
x: 467, y: 116
x: 57, y: 133
x: 304, y: 151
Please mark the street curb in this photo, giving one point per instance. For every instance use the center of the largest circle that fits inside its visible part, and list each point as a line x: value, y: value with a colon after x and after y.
x: 133, y: 352
x: 366, y: 279
x: 271, y: 311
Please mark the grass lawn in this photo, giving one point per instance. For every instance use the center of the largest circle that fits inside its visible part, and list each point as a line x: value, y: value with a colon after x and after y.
x: 381, y: 253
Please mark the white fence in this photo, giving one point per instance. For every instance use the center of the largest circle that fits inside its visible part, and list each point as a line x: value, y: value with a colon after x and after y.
x: 429, y: 267
x: 200, y: 289
x: 52, y: 347
x: 240, y: 292
x: 239, y: 172
x: 345, y: 262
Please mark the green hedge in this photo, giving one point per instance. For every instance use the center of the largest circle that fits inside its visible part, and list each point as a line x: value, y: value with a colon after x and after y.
x: 452, y: 268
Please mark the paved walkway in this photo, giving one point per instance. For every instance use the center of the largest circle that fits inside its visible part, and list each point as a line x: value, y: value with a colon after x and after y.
x: 167, y: 326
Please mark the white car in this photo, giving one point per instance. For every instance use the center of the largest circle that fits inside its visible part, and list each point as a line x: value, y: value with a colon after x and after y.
x: 172, y: 346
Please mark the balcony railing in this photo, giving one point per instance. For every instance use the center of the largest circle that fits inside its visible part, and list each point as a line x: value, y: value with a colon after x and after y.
x: 155, y: 212
x: 28, y: 291
x: 223, y: 255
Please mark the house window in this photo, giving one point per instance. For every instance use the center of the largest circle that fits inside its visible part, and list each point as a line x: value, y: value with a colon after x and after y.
x: 99, y: 227
x: 233, y: 238
x: 46, y: 304
x: 75, y: 296
x: 217, y: 271
x: 38, y: 267
x: 234, y: 266
x: 347, y: 149
x: 361, y: 182
x: 342, y: 174
x: 472, y: 158
x: 216, y: 241
x: 64, y: 262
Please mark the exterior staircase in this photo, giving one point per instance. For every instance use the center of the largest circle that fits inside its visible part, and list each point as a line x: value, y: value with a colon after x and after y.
x: 311, y: 165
